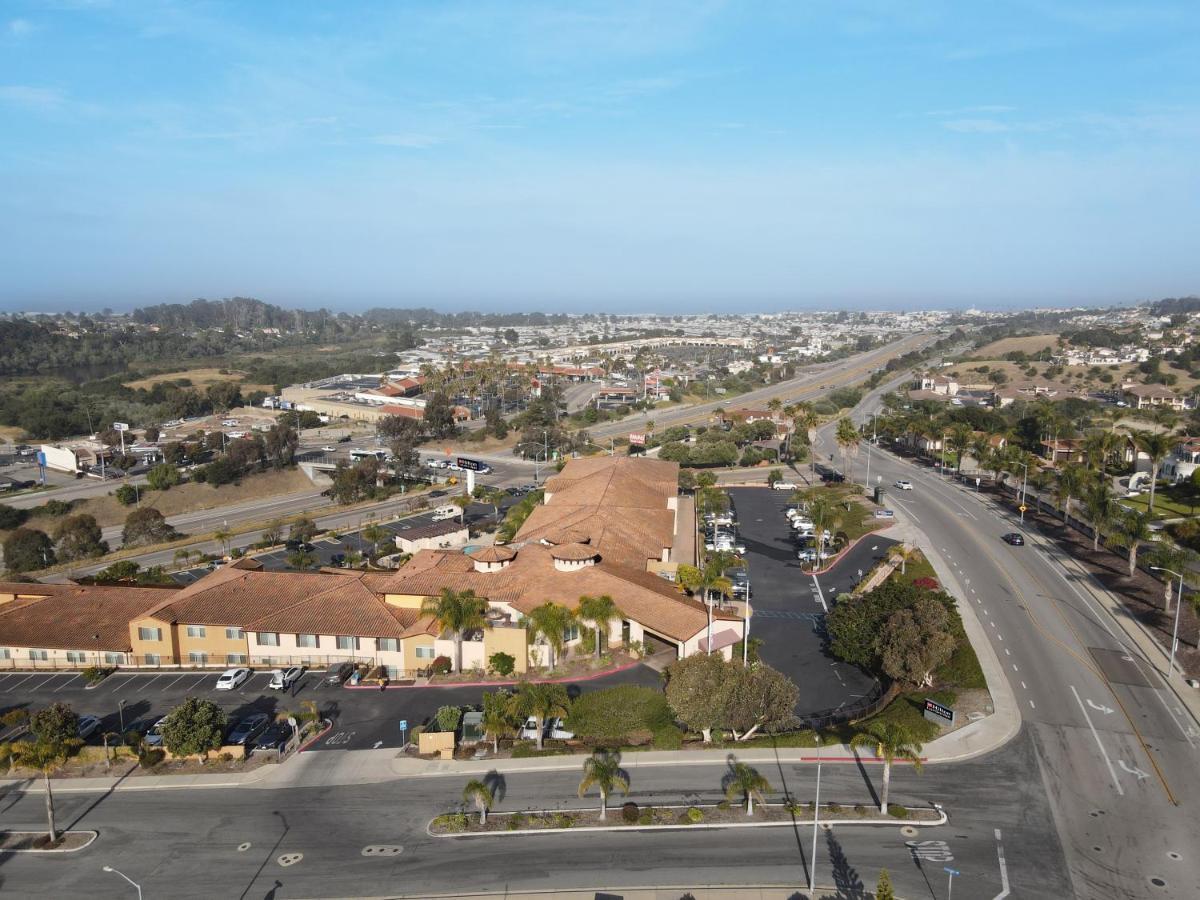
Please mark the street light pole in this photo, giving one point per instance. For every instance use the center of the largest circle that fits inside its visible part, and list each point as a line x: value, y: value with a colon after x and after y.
x: 1024, y: 482
x: 812, y: 865
x: 137, y: 886
x: 874, y: 436
x: 1175, y: 631
x: 121, y: 715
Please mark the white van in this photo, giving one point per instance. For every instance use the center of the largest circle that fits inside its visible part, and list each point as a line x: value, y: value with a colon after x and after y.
x: 442, y: 513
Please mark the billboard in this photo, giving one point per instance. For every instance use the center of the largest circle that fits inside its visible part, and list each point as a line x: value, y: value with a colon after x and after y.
x: 638, y: 439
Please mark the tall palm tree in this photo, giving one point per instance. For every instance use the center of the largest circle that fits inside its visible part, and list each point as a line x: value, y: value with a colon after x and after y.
x: 847, y: 437
x: 223, y: 535
x: 981, y: 446
x: 890, y: 741
x: 743, y: 781
x: 47, y: 757
x: 825, y: 517
x: 497, y: 717
x: 1097, y: 500
x: 1134, y: 527
x: 550, y: 621
x: 481, y: 795
x: 961, y: 437
x: 603, y: 769
x: 806, y: 420
x: 599, y: 611
x: 373, y: 534
x: 1070, y: 482
x: 458, y: 612
x: 541, y: 700
x: 1156, y: 446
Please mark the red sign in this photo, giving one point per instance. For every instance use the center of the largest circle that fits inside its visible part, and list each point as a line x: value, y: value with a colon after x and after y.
x: 639, y: 439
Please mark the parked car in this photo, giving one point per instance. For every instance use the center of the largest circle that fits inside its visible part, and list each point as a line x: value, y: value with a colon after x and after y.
x: 241, y: 732
x: 1015, y: 538
x: 328, y: 449
x: 337, y: 673
x: 784, y: 486
x: 903, y: 485
x: 88, y: 726
x: 529, y: 731
x: 153, y: 737
x: 556, y: 731
x: 344, y: 439
x: 232, y: 678
x: 274, y: 738
x: 283, y: 679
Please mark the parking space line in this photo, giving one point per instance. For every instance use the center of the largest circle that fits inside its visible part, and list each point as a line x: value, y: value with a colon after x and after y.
x: 42, y: 684
x: 153, y: 678
x: 21, y: 681
x: 65, y: 683
x: 172, y: 682
x: 117, y: 683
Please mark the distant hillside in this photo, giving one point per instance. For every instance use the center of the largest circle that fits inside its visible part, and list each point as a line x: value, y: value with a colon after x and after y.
x: 1173, y: 305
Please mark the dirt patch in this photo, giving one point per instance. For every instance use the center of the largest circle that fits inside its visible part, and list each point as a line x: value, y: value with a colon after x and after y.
x: 200, y: 378
x: 33, y: 841
x: 11, y: 433
x: 1030, y: 344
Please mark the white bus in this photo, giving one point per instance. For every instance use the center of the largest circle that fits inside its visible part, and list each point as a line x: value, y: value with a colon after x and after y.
x: 357, y: 454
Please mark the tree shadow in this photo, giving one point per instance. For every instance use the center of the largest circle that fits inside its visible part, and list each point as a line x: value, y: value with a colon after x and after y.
x: 267, y: 858
x: 497, y: 784
x: 846, y: 882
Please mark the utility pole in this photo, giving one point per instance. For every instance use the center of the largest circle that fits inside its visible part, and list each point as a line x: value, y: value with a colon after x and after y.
x: 812, y: 864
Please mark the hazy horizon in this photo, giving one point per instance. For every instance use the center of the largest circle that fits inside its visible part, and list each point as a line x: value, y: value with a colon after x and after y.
x: 617, y: 156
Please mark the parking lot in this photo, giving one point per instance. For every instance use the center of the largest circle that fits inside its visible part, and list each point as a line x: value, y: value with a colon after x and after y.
x: 789, y: 604
x: 363, y: 718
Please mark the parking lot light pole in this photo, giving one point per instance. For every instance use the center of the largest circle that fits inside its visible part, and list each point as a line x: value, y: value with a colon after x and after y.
x: 812, y: 863
x: 121, y: 715
x: 1178, y: 606
x: 1024, y: 482
x: 137, y: 886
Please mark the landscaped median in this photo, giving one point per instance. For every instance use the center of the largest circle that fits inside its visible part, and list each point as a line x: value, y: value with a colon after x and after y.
x: 632, y: 817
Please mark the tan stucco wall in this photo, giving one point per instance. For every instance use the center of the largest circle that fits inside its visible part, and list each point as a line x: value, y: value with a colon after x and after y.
x: 410, y: 645
x: 405, y: 601
x: 506, y: 640
x: 167, y: 649
x: 19, y: 658
x: 214, y: 643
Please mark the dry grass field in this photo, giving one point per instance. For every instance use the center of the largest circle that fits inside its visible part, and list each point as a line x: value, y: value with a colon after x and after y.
x: 188, y: 498
x: 1030, y: 344
x: 200, y: 378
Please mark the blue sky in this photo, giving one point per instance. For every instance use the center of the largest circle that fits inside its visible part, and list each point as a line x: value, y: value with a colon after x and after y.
x: 610, y: 156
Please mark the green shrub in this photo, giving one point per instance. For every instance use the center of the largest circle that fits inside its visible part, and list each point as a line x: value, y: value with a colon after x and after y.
x: 669, y: 737
x: 647, y: 816
x: 615, y: 714
x: 695, y: 815
x: 629, y: 812
x: 563, y: 820
x: 452, y: 822
x: 502, y: 663
x: 723, y: 805
x: 93, y: 674
x: 151, y: 757
x: 897, y: 812
x: 448, y: 718
x: 833, y: 808
x: 515, y: 821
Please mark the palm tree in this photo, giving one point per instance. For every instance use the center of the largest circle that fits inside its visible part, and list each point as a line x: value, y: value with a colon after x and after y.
x: 46, y: 757
x: 541, y: 700
x: 599, y: 611
x: 373, y: 534
x: 223, y: 535
x: 462, y: 501
x: 457, y: 612
x: 847, y: 440
x: 482, y: 796
x: 890, y: 741
x: 981, y: 447
x: 901, y: 553
x: 744, y: 781
x: 825, y: 517
x: 1097, y: 500
x: 550, y: 621
x: 1070, y: 483
x: 806, y: 420
x: 1134, y: 527
x: 603, y: 769
x: 961, y: 437
x: 1156, y: 446
x: 497, y: 717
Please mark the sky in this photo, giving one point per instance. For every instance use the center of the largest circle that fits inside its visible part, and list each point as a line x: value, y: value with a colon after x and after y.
x: 654, y: 156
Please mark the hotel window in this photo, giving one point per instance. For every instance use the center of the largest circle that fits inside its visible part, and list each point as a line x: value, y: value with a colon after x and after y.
x: 197, y: 631
x: 389, y: 644
x: 346, y: 642
x: 38, y: 654
x: 114, y: 659
x: 5, y: 653
x: 571, y: 633
x: 152, y: 659
x: 78, y: 657
x: 308, y: 641
x: 234, y: 634
x: 267, y: 639
x: 235, y: 659
x: 425, y: 653
x: 149, y: 634
x: 198, y: 659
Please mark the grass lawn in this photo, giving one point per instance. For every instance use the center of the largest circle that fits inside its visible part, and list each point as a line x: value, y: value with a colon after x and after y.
x: 1169, y: 502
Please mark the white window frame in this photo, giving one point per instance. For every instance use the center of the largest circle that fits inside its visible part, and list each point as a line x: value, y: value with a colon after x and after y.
x: 308, y: 641
x: 388, y: 645
x: 39, y: 655
x: 235, y: 659
x: 425, y: 652
x: 273, y: 638
x: 197, y: 631
x: 235, y: 634
x: 198, y: 658
x: 146, y: 633
x: 347, y: 637
x: 152, y: 659
x: 76, y: 657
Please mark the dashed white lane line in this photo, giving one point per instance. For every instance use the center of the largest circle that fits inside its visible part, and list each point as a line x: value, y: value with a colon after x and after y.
x: 1015, y: 669
x: 1000, y: 636
x: 1007, y: 652
x: 1024, y: 686
x: 1031, y: 705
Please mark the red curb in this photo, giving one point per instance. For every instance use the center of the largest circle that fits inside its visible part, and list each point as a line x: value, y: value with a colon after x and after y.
x: 316, y: 737
x: 855, y: 759
x: 409, y: 687
x: 850, y: 547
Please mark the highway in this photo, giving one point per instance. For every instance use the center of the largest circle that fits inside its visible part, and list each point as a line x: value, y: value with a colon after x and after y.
x: 1117, y: 751
x: 820, y: 381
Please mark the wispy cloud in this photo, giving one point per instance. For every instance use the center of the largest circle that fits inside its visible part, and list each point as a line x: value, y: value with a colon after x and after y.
x: 986, y: 109
x: 406, y: 141
x: 31, y: 97
x: 19, y: 27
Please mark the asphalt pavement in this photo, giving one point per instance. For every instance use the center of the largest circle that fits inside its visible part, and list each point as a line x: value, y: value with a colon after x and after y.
x: 789, y: 605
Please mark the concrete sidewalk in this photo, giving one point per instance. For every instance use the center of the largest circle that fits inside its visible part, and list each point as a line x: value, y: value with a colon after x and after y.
x: 724, y: 892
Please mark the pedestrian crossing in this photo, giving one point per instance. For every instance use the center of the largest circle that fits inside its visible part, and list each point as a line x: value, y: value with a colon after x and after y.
x: 787, y: 614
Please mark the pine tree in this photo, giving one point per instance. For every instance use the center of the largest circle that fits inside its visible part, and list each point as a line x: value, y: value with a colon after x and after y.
x: 883, y: 889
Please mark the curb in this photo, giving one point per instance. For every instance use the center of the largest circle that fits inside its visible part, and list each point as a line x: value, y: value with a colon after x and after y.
x: 92, y: 840
x: 854, y: 543
x: 699, y: 826
x: 473, y: 684
x: 316, y: 737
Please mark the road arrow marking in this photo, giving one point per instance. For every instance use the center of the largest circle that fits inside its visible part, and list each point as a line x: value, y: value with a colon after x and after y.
x: 1107, y: 710
x: 378, y: 744
x: 1134, y: 771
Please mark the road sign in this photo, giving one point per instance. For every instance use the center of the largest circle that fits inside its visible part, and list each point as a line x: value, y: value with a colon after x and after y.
x: 120, y: 426
x: 950, y: 871
x: 637, y: 438
x: 404, y: 724
x: 1022, y: 507
x: 471, y: 465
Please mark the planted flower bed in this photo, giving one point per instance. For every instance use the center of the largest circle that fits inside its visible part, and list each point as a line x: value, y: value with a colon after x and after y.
x: 633, y: 816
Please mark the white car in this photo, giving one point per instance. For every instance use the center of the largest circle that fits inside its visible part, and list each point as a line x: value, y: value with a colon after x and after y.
x: 556, y: 732
x: 87, y: 726
x: 529, y: 731
x: 784, y: 486
x: 903, y: 485
x: 283, y: 679
x: 329, y: 449
x: 232, y: 678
